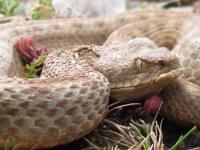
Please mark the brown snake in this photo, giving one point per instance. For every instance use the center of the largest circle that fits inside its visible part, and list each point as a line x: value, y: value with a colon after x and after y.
x: 45, y: 112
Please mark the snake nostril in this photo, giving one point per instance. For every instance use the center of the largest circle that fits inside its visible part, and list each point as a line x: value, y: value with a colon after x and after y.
x: 162, y: 63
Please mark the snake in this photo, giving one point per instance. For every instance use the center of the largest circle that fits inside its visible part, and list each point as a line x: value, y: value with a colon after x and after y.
x: 124, y: 57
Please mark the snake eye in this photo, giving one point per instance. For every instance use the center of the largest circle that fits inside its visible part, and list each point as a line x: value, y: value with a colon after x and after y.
x: 141, y: 64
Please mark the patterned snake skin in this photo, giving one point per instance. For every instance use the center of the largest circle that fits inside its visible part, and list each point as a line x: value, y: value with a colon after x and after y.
x: 71, y: 97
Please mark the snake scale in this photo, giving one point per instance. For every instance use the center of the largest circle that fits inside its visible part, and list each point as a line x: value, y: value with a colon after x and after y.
x: 71, y: 97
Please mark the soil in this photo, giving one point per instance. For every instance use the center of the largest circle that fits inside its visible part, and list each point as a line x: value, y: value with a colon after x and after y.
x: 171, y: 134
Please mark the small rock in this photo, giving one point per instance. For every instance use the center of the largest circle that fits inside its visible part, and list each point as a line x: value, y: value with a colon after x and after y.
x: 88, y: 8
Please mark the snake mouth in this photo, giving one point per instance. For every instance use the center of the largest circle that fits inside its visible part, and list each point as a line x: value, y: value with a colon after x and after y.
x: 143, y: 91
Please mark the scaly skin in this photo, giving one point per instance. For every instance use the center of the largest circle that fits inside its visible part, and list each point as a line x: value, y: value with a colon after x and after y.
x: 45, y: 112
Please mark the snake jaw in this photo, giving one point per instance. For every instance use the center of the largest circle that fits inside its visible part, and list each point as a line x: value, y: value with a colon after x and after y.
x: 143, y: 91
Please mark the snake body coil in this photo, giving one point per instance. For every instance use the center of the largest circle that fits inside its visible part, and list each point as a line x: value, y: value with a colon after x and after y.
x: 71, y: 97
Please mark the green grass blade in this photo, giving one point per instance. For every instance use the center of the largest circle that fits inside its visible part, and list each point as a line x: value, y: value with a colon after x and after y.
x: 137, y: 130
x: 7, y: 145
x: 182, y: 138
x: 13, y: 5
x: 128, y: 3
x: 147, y: 133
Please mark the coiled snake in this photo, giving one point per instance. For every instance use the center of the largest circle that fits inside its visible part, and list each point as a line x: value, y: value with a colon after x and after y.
x: 45, y: 112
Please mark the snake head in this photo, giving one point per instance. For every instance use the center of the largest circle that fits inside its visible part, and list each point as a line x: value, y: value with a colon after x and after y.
x: 138, y: 69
